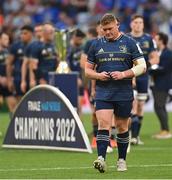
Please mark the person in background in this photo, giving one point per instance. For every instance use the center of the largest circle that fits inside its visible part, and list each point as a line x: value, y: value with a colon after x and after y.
x: 44, y: 58
x: 73, y: 59
x: 162, y: 79
x: 14, y: 64
x: 117, y: 59
x: 4, y: 92
x: 28, y: 54
x: 148, y: 47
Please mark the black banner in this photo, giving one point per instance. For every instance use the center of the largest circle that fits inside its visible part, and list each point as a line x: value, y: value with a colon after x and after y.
x: 45, y: 119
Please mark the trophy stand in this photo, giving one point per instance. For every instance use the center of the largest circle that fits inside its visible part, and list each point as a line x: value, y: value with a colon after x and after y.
x: 63, y: 78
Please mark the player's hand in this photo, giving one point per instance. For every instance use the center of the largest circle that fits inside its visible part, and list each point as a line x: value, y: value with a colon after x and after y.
x: 32, y: 83
x: 117, y: 75
x: 103, y: 76
x: 23, y: 86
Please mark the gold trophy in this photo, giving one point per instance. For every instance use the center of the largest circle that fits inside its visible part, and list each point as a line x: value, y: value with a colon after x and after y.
x: 61, y: 39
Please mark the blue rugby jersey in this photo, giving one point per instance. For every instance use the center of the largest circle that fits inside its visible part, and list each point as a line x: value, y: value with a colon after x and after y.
x: 147, y: 45
x: 17, y: 50
x: 88, y: 45
x: 46, y: 55
x: 73, y: 59
x: 3, y: 56
x: 117, y: 55
x: 32, y: 45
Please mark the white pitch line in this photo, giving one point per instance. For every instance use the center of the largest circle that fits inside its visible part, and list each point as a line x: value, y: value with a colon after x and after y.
x: 150, y: 149
x: 76, y: 168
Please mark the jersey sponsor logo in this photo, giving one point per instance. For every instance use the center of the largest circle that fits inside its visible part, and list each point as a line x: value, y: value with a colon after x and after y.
x: 111, y: 55
x: 146, y: 44
x: 44, y: 52
x: 2, y: 58
x: 123, y: 48
x: 20, y: 51
x: 100, y: 50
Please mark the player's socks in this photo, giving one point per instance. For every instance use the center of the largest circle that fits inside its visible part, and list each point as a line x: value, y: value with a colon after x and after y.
x: 122, y: 142
x: 140, y: 118
x: 95, y: 129
x: 113, y: 132
x: 134, y: 126
x: 102, y: 142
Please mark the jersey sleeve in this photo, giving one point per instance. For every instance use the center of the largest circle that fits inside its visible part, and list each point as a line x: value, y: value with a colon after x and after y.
x: 28, y: 51
x: 92, y: 53
x: 12, y: 49
x: 35, y: 51
x: 136, y: 51
x: 87, y: 46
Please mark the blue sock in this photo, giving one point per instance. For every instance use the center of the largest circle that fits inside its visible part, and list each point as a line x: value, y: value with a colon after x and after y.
x: 95, y: 129
x: 122, y: 142
x: 134, y: 125
x: 102, y: 142
x: 139, y: 124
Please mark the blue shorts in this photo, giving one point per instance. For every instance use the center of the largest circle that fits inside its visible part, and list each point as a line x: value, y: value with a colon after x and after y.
x: 5, y: 92
x: 17, y: 84
x: 121, y: 108
x: 142, y: 88
x: 142, y: 85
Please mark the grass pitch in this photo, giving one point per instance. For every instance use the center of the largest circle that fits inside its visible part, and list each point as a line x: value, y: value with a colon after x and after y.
x: 151, y: 161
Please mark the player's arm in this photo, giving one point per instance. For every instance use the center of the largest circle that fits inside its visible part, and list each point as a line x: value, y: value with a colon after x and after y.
x: 33, y: 66
x: 9, y: 71
x: 25, y: 65
x: 93, y: 88
x: 92, y: 74
x: 138, y: 69
x: 83, y: 60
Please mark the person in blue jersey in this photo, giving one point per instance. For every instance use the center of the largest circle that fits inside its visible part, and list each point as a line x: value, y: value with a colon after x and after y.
x: 73, y: 59
x: 91, y: 36
x: 94, y: 34
x: 162, y: 83
x: 4, y: 92
x: 118, y: 58
x: 44, y: 56
x: 148, y: 47
x: 28, y: 54
x: 14, y: 62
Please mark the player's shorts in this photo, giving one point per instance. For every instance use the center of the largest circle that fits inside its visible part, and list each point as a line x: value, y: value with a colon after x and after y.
x: 4, y: 91
x: 142, y: 88
x: 17, y: 84
x: 121, y: 108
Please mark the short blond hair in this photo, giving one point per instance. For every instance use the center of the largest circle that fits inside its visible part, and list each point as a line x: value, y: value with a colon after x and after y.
x: 107, y: 19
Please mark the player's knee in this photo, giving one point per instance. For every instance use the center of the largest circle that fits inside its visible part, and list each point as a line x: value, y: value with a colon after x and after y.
x: 104, y: 124
x: 122, y: 125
